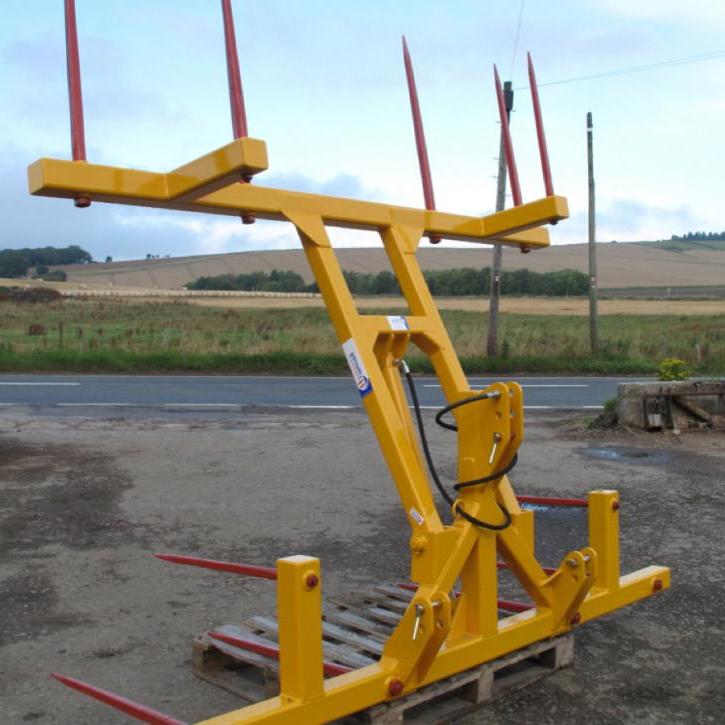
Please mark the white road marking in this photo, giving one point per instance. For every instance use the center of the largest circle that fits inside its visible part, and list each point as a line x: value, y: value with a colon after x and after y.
x: 524, y: 385
x: 203, y: 405
x: 1, y: 383
x: 98, y: 405
x: 240, y: 406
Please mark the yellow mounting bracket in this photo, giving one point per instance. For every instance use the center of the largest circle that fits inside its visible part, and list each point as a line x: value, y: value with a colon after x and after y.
x: 453, y: 622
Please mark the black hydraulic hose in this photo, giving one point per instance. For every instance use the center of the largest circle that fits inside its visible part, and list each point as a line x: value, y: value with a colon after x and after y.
x: 431, y: 466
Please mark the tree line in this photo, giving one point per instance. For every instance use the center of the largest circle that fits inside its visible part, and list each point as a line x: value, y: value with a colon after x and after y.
x: 18, y: 262
x: 442, y: 282
x: 699, y: 237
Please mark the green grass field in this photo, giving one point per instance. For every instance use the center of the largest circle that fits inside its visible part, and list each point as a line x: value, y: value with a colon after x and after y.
x: 85, y: 335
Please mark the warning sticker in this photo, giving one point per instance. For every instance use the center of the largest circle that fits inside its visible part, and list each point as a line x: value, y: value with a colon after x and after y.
x: 359, y: 374
x: 398, y: 322
x: 416, y: 515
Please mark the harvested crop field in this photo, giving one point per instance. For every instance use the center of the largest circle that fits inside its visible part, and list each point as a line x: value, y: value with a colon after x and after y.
x: 517, y: 305
x: 113, y: 334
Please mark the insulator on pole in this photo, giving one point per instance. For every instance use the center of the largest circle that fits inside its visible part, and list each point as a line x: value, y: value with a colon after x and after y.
x: 507, y: 144
x: 540, y: 136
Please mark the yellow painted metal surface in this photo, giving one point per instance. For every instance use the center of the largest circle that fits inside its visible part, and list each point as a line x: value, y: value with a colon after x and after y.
x: 441, y: 633
x: 299, y: 616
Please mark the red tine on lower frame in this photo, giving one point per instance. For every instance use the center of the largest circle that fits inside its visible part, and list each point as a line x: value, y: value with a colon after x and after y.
x: 261, y: 572
x: 546, y: 569
x: 420, y: 144
x: 129, y: 707
x: 509, y: 605
x: 75, y: 93
x: 553, y: 501
x: 540, y: 136
x: 506, y: 604
x: 236, y: 92
x: 331, y: 669
x: 507, y: 144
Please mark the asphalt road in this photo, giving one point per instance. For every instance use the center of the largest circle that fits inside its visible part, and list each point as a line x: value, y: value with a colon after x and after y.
x: 141, y: 395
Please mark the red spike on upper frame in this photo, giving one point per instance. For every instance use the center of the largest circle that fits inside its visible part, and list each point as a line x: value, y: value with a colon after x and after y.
x: 75, y: 95
x: 236, y: 94
x: 262, y: 572
x: 507, y: 145
x: 543, y: 152
x: 75, y: 92
x: 420, y: 144
x: 332, y: 669
x: 129, y: 707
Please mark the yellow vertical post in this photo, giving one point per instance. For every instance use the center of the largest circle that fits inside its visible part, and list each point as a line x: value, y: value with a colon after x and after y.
x: 524, y: 523
x: 479, y: 585
x: 299, y: 612
x: 604, y: 536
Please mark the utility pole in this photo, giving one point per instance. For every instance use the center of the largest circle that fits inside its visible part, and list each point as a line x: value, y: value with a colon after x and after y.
x: 495, y: 290
x: 593, y: 316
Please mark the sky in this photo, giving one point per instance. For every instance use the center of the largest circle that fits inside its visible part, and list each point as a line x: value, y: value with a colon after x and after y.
x: 325, y: 88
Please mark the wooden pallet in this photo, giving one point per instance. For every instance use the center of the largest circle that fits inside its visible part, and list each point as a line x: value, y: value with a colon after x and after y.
x: 354, y: 631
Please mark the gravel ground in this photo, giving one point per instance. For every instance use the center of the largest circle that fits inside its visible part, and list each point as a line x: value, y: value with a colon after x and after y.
x: 85, y: 502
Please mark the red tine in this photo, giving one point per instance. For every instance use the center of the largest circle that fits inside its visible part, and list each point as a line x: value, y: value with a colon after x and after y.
x: 420, y: 144
x: 236, y: 92
x: 554, y: 501
x: 330, y: 668
x: 263, y: 572
x: 129, y: 707
x: 507, y: 145
x: 75, y: 93
x: 545, y: 168
x: 546, y: 569
x: 507, y: 604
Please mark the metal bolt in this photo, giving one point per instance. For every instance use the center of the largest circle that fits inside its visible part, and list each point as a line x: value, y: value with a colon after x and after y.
x: 575, y: 619
x: 311, y: 581
x: 82, y: 202
x: 395, y: 687
x: 657, y: 585
x: 615, y: 505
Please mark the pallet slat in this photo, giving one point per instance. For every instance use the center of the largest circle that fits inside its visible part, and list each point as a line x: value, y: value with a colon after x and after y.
x: 354, y: 633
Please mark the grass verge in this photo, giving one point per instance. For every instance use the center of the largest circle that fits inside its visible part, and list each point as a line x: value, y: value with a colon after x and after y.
x: 116, y: 336
x: 289, y: 363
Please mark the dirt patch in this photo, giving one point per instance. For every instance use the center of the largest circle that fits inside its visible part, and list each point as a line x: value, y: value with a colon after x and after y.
x: 59, y: 495
x: 51, y: 496
x: 269, y: 484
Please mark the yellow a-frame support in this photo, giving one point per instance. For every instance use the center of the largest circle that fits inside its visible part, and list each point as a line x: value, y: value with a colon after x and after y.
x: 441, y: 633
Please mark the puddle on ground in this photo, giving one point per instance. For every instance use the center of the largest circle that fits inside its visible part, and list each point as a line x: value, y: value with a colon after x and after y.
x: 626, y: 454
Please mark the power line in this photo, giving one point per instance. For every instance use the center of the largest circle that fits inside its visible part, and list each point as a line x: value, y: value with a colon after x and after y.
x: 516, y: 39
x: 715, y: 55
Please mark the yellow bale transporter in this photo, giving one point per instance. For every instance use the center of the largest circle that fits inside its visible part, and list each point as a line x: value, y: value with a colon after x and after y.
x: 453, y: 621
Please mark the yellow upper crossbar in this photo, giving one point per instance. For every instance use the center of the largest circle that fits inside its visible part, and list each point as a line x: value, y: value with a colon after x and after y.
x: 207, y: 184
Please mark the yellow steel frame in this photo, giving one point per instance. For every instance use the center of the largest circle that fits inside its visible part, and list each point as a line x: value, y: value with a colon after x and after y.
x: 453, y: 632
